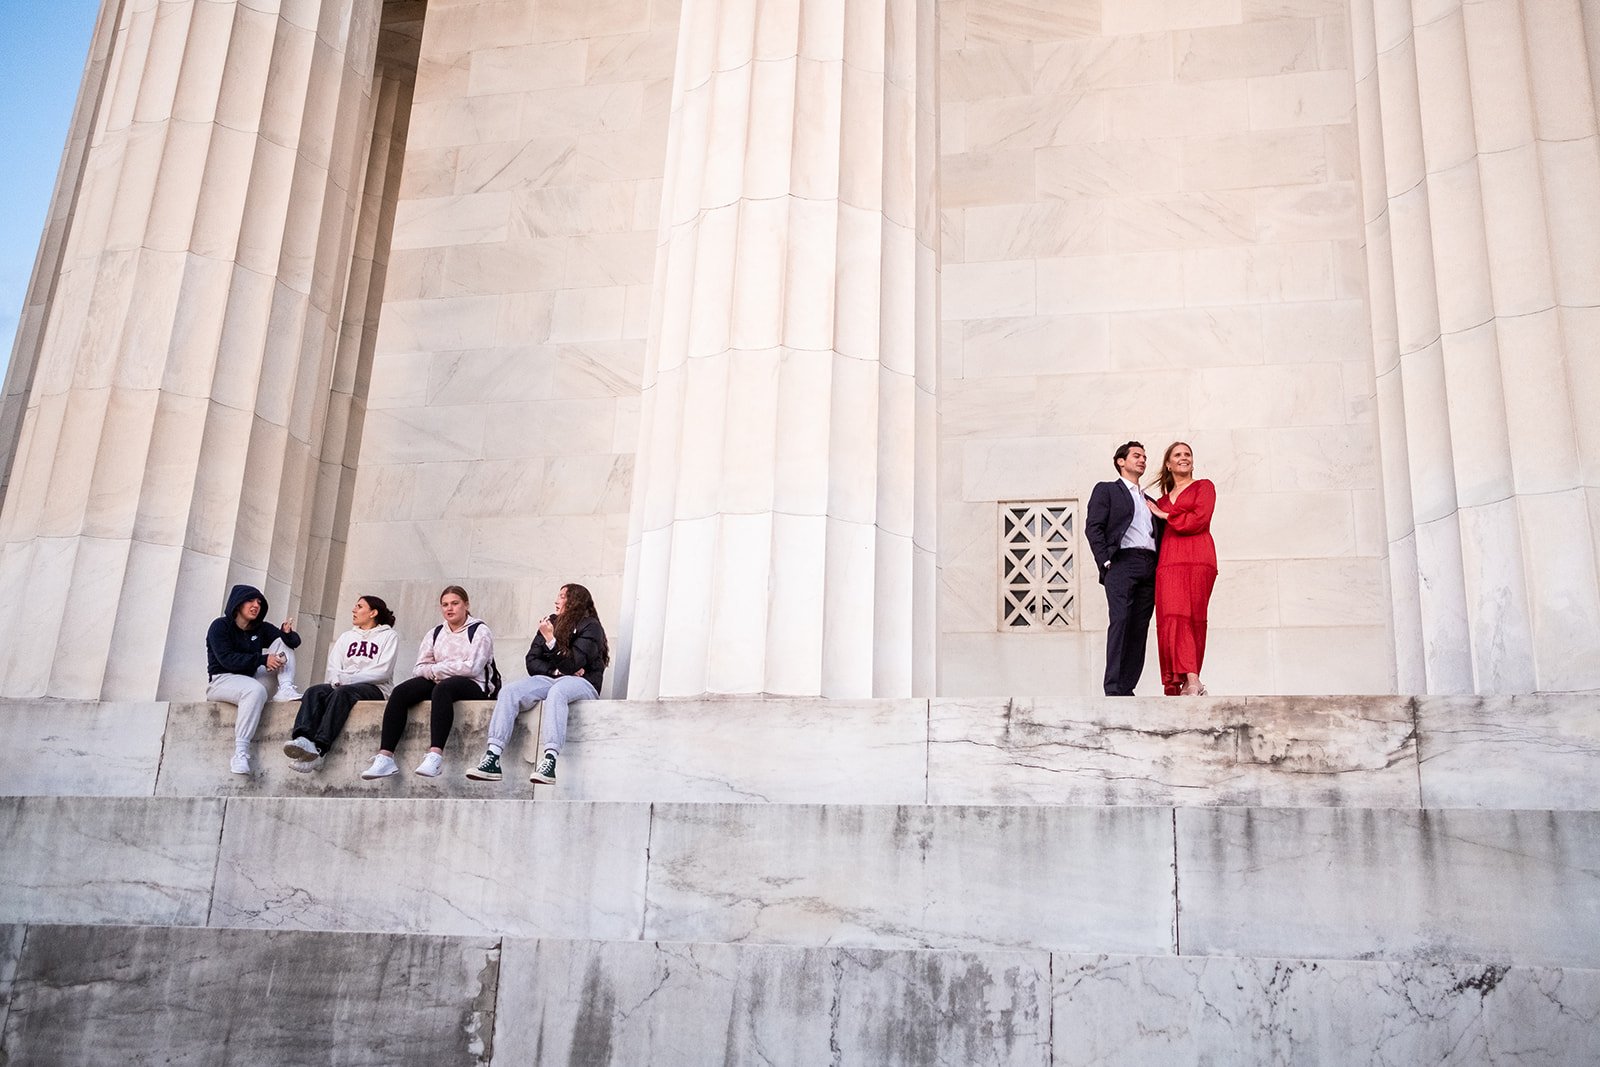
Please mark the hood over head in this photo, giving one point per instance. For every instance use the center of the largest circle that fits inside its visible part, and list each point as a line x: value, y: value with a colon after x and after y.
x: 241, y: 593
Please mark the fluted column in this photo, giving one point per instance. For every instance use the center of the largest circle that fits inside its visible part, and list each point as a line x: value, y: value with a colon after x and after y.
x: 1481, y: 183
x: 181, y: 378
x: 781, y: 535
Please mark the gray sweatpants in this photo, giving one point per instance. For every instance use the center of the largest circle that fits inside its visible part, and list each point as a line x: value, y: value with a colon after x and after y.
x: 250, y: 694
x: 521, y: 696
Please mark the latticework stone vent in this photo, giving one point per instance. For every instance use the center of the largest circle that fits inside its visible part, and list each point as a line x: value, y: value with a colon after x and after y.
x: 1038, y: 590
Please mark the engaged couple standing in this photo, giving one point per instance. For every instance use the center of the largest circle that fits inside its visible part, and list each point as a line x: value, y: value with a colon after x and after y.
x: 1154, y: 555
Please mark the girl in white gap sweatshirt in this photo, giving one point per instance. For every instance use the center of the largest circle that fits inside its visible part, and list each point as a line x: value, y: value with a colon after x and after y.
x: 360, y: 667
x: 452, y: 664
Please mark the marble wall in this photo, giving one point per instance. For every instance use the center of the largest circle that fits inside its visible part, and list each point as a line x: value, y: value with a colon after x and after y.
x: 176, y: 996
x: 1152, y: 231
x: 1536, y: 752
x: 502, y: 415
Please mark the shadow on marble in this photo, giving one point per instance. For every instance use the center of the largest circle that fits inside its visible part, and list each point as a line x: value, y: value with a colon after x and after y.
x: 132, y: 995
x: 673, y: 1005
x: 1539, y: 751
x: 433, y: 866
x: 1518, y: 887
x: 108, y: 859
x: 1300, y: 751
x: 913, y: 877
x: 80, y: 747
x: 778, y: 750
x: 1146, y: 1011
x: 11, y: 941
x: 200, y: 743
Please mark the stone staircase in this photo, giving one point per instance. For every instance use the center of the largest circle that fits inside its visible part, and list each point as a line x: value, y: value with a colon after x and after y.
x: 1257, y: 880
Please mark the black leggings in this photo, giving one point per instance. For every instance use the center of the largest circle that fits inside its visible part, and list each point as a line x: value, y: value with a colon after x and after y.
x: 414, y: 691
x: 325, y: 708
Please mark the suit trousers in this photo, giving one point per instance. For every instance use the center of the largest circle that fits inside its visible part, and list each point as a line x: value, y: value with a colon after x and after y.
x: 1131, y: 597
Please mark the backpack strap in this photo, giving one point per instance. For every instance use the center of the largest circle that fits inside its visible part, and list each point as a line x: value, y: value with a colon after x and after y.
x: 472, y: 629
x: 435, y: 638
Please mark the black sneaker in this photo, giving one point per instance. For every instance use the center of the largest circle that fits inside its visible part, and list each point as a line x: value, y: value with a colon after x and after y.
x: 487, y: 770
x: 545, y: 772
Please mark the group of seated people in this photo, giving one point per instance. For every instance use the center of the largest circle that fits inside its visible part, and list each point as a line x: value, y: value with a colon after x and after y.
x: 566, y: 662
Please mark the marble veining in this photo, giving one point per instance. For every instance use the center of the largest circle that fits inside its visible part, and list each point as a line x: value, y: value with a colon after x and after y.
x: 80, y: 747
x: 687, y: 1003
x: 1155, y: 1012
x: 1220, y: 750
x: 891, y: 877
x: 97, y: 994
x: 1432, y: 885
x: 1543, y: 749
x: 458, y: 866
x: 757, y: 749
x: 93, y: 859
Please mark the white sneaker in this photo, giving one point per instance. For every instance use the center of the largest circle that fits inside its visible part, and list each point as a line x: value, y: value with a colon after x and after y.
x: 382, y: 767
x: 240, y: 763
x: 301, y: 748
x: 431, y: 765
x: 287, y: 692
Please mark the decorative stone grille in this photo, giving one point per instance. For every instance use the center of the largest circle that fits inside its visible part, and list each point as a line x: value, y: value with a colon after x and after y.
x: 1038, y: 587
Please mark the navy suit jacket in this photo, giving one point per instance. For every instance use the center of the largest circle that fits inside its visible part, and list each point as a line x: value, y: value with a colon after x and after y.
x: 1109, y: 516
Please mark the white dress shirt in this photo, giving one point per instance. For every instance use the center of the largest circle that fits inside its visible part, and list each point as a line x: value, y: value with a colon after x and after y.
x: 1142, y: 530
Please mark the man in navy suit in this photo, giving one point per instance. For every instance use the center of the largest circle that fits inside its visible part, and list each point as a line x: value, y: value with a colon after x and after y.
x: 1124, y: 537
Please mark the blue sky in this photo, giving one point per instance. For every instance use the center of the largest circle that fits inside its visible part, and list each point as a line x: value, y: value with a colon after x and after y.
x: 42, y: 50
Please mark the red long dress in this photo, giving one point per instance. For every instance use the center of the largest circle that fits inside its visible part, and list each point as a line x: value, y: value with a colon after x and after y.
x: 1185, y: 573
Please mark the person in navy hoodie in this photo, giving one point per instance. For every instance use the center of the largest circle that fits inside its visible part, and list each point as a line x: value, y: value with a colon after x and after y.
x: 242, y: 651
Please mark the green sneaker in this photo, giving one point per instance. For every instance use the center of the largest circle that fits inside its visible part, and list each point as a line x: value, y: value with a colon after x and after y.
x: 487, y: 770
x: 545, y: 772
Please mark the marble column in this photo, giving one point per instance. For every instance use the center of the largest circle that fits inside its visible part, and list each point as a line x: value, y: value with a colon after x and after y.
x: 781, y: 535
x: 326, y: 524
x: 1480, y: 175
x: 181, y: 379
x: 53, y: 244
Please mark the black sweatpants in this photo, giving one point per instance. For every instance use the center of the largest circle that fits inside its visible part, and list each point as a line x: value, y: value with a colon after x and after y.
x: 443, y: 696
x: 324, y: 709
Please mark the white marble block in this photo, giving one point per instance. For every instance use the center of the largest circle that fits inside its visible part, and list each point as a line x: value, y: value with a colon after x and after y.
x: 113, y: 994
x: 1540, y: 751
x: 80, y: 748
x: 1484, y: 886
x: 769, y: 750
x: 1321, y: 751
x: 679, y: 1004
x: 892, y: 877
x: 1153, y: 1012
x: 199, y: 741
x: 123, y: 859
x: 440, y: 866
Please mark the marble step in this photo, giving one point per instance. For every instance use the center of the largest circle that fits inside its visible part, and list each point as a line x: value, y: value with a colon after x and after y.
x: 81, y: 994
x: 1388, y: 752
x: 1469, y: 884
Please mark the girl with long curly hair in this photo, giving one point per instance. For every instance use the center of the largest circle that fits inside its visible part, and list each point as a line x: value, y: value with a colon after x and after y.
x: 567, y: 661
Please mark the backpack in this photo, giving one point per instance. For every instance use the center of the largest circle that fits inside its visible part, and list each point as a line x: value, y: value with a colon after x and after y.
x: 491, y: 673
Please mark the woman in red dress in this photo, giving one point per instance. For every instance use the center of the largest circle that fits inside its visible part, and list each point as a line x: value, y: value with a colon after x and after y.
x: 1185, y: 571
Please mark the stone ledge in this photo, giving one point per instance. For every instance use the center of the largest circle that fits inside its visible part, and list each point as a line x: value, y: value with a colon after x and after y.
x: 1492, y: 886
x: 130, y: 994
x: 1383, y: 752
